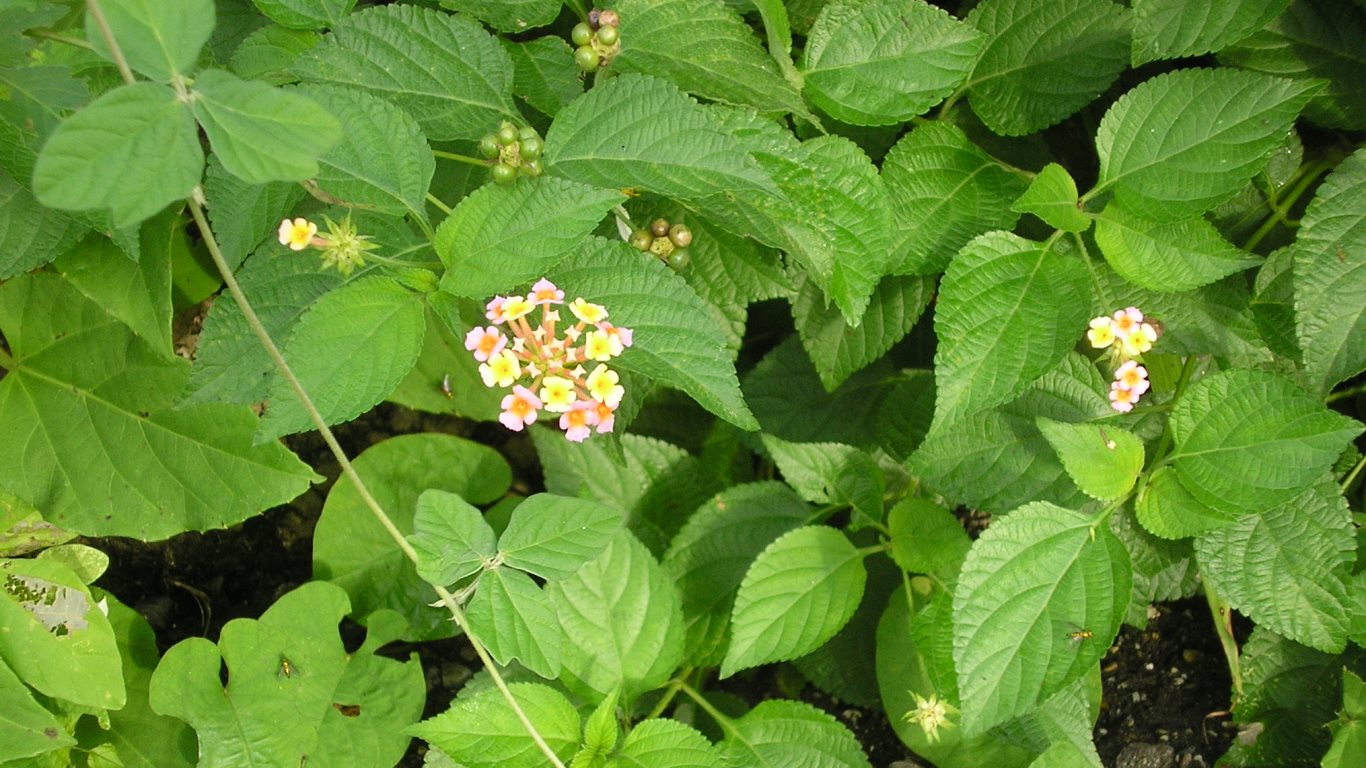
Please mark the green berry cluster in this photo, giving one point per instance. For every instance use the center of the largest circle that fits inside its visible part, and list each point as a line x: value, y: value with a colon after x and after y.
x: 597, y: 40
x: 512, y: 152
x: 669, y: 242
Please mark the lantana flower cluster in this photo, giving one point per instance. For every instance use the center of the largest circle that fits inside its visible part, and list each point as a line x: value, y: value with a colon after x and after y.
x: 343, y: 247
x: 1127, y: 335
x: 559, y: 369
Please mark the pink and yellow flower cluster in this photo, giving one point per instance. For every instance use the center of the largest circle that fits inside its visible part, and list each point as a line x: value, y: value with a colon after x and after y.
x: 1127, y: 335
x: 564, y: 374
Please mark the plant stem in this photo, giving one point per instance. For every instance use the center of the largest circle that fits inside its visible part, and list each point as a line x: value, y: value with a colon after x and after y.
x: 1160, y: 452
x: 56, y: 37
x: 436, y: 201
x: 1333, y: 397
x: 97, y: 13
x: 1352, y: 476
x: 675, y: 686
x: 466, y: 159
x: 706, y: 706
x: 1280, y: 208
x: 1222, y: 613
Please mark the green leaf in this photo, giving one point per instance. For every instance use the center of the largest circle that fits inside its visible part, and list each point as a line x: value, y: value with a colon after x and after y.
x: 56, y: 639
x: 1173, y: 29
x: 36, y: 99
x: 1104, y: 462
x: 1052, y: 196
x: 662, y: 743
x: 543, y: 73
x: 926, y: 538
x: 451, y: 538
x: 943, y: 190
x: 721, y: 59
x: 1044, y: 59
x: 676, y: 341
x: 789, y: 733
x: 1247, y: 440
x: 665, y: 143
x: 132, y: 151
x: 27, y: 729
x: 880, y: 62
x: 349, y: 351
x: 305, y: 14
x: 1303, y: 551
x: 514, y: 620
x: 1009, y: 309
x: 839, y: 350
x: 1166, y: 509
x: 269, y: 52
x: 729, y: 272
x: 1030, y: 580
x: 31, y: 235
x: 243, y: 215
x: 830, y: 473
x: 158, y: 39
x: 352, y: 550
x: 1183, y: 142
x: 288, y: 678
x: 553, y: 536
x: 1176, y: 256
x: 153, y: 471
x: 503, y: 236
x: 383, y: 162
x: 601, y: 733
x: 1314, y: 40
x: 137, y: 294
x: 444, y: 70
x: 482, y: 731
x: 261, y: 133
x: 1330, y: 278
x: 444, y: 360
x: 798, y: 593
x: 509, y: 16
x: 1163, y: 570
x: 622, y: 623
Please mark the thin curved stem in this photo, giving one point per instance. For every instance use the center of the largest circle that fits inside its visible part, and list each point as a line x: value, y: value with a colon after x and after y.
x: 1352, y: 476
x: 97, y: 13
x: 466, y: 159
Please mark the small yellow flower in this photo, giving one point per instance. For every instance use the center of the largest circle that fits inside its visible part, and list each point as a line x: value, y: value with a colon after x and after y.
x: 501, y: 370
x: 930, y: 714
x: 557, y: 393
x: 1138, y: 340
x: 601, y: 346
x: 297, y: 234
x: 515, y: 307
x: 603, y: 384
x: 1102, y: 332
x: 588, y: 312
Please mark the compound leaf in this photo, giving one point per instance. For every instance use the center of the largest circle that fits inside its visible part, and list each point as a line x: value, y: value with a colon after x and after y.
x: 158, y: 39
x: 553, y: 536
x: 514, y: 620
x: 451, y: 538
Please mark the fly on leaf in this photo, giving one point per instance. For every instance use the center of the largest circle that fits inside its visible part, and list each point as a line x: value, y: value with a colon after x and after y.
x: 287, y: 668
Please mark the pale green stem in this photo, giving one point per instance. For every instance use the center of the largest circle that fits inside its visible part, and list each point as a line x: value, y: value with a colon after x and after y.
x: 716, y: 714
x: 1163, y: 443
x: 436, y: 201
x: 466, y: 159
x: 1281, y: 208
x: 675, y: 686
x: 47, y: 34
x: 97, y: 13
x: 1333, y: 397
x: 1352, y: 476
x: 1222, y: 613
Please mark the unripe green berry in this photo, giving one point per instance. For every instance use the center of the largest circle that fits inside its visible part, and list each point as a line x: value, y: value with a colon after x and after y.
x: 641, y: 239
x: 504, y: 174
x: 660, y: 227
x: 661, y: 246
x: 680, y: 258
x: 607, y: 35
x: 528, y: 133
x: 507, y: 134
x: 488, y: 147
x: 681, y: 235
x: 531, y: 168
x: 531, y: 148
x: 581, y: 34
x: 586, y: 58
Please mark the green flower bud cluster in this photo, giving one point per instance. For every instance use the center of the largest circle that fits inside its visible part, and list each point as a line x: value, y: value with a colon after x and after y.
x: 597, y: 40
x: 512, y: 152
x: 668, y: 242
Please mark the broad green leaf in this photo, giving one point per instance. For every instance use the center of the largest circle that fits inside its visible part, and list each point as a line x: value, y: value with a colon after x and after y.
x: 831, y: 473
x: 1185, y: 141
x: 1008, y: 310
x: 709, y: 557
x: 243, y: 215
x: 1314, y: 39
x: 839, y: 350
x: 514, y: 620
x: 1273, y: 303
x: 665, y: 143
x: 1052, y: 196
x: 1172, y: 29
x: 56, y: 638
x: 1163, y: 570
x: 880, y: 62
x: 482, y: 731
x: 509, y: 16
x: 349, y: 351
x: 1043, y: 60
x: 676, y: 341
x: 269, y: 52
x: 845, y: 665
x: 1176, y: 256
x: 20, y: 16
x: 1330, y: 278
x: 158, y: 39
x: 1104, y: 462
x: 383, y: 162
x: 352, y: 550
x: 601, y: 733
x: 261, y: 133
x: 543, y: 73
x: 943, y: 190
x: 1303, y: 551
x: 721, y: 59
x: 445, y: 364
x: 926, y: 538
x: 132, y: 151
x: 27, y: 729
x: 93, y: 441
x: 622, y: 623
x: 662, y: 743
x: 1247, y: 440
x: 451, y: 538
x: 137, y: 294
x: 553, y: 536
x: 31, y: 235
x: 799, y: 592
x: 790, y: 733
x: 446, y: 71
x: 34, y: 101
x: 1167, y: 510
x: 503, y: 236
x: 656, y: 487
x: 305, y: 14
x: 289, y: 680
x: 1031, y: 580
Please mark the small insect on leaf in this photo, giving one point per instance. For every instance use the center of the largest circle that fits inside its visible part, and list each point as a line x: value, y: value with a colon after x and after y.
x: 347, y: 710
x: 446, y: 387
x: 1109, y: 443
x: 287, y: 668
x: 1076, y: 636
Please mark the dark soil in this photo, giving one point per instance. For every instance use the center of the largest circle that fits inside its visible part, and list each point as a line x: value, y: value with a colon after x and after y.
x: 1165, y: 686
